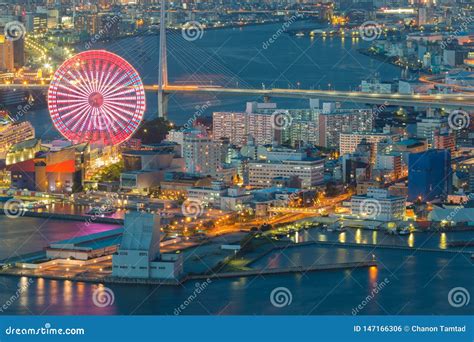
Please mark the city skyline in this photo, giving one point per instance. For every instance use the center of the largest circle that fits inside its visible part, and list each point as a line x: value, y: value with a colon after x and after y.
x: 242, y: 158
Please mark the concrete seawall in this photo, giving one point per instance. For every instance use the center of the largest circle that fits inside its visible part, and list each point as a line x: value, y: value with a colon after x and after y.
x: 277, y: 271
x: 70, y: 217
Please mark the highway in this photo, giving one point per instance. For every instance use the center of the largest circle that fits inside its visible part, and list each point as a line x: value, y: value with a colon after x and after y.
x: 448, y: 101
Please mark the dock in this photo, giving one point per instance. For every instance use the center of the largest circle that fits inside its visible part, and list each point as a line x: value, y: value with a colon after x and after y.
x: 286, y: 270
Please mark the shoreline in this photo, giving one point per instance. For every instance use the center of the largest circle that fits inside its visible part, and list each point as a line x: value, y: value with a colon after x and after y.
x: 70, y: 217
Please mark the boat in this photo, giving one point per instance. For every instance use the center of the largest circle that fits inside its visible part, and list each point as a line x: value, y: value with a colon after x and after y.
x: 341, y: 229
x: 404, y: 231
x: 5, y: 198
x: 299, y: 34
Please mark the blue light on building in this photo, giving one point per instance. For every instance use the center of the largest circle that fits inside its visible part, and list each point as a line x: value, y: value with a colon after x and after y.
x: 429, y: 175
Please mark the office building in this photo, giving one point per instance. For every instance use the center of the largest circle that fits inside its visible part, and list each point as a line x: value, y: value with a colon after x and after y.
x: 350, y: 141
x: 310, y: 171
x: 7, y: 59
x: 202, y: 155
x: 379, y: 205
x: 429, y: 175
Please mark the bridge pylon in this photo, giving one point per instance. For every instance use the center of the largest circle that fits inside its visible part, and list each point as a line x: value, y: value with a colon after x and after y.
x: 163, y: 66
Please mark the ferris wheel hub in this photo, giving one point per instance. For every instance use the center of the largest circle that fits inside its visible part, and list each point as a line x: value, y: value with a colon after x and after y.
x: 96, y: 99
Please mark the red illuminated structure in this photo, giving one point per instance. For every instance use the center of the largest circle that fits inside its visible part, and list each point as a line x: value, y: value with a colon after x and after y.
x: 96, y: 97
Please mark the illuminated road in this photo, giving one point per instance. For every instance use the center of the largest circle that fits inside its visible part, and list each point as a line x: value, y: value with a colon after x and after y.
x: 464, y: 101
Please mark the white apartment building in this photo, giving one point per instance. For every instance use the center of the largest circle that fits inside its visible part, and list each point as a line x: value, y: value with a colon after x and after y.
x: 202, y: 155
x: 332, y: 124
x: 348, y: 142
x: 378, y: 205
x: 309, y: 171
x: 308, y: 126
x: 237, y: 126
x: 389, y: 162
x: 427, y: 127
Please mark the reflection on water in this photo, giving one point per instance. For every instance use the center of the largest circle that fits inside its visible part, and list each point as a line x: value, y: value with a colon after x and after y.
x: 358, y: 236
x: 366, y: 236
x: 374, y: 237
x: 373, y: 274
x: 442, y: 241
x: 335, y: 292
x: 342, y: 237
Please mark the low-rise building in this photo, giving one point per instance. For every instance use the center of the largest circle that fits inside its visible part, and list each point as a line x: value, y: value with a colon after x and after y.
x: 139, y: 253
x: 310, y: 171
x: 379, y: 205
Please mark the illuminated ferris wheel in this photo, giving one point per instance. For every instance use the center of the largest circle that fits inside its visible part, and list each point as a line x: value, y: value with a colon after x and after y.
x: 96, y: 97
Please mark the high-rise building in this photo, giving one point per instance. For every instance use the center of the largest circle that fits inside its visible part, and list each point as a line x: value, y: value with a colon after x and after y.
x: 444, y: 142
x: 19, y: 53
x: 332, y: 124
x: 350, y: 141
x: 7, y: 60
x: 320, y: 127
x: 427, y: 128
x: 429, y: 175
x: 202, y: 155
